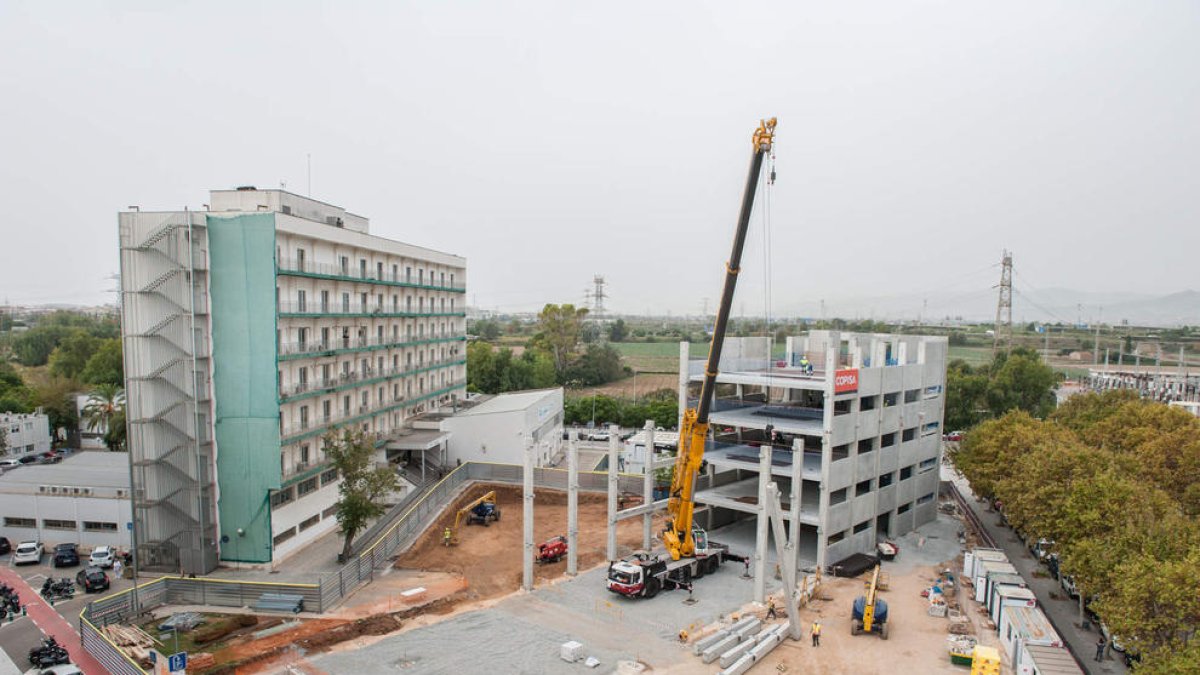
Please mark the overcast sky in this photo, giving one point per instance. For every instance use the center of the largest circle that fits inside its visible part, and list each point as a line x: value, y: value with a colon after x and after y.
x: 550, y: 141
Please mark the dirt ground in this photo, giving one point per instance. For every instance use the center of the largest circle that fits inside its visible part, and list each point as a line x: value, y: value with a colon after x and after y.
x: 916, y: 641
x: 490, y: 559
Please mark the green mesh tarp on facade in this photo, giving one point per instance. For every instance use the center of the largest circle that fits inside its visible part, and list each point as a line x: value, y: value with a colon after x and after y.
x: 242, y: 288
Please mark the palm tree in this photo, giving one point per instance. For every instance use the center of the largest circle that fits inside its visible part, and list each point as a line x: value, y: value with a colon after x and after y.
x: 104, y: 409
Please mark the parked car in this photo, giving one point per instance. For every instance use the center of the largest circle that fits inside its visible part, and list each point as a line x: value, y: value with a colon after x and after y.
x: 9, y: 464
x: 954, y: 436
x: 28, y: 553
x: 50, y: 458
x: 597, y: 436
x: 5, y: 546
x: 1068, y: 584
x: 92, y: 580
x: 65, y: 555
x: 1052, y: 564
x: 28, y: 459
x: 103, y: 556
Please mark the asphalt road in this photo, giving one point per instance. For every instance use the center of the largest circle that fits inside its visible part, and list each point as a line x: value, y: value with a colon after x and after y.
x: 23, y: 634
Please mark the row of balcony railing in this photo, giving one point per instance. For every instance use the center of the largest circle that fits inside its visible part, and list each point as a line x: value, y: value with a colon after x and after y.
x: 363, y: 375
x: 312, y: 347
x: 357, y: 411
x: 368, y: 275
x: 317, y: 308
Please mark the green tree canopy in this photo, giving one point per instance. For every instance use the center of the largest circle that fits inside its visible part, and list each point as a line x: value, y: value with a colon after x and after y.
x: 363, y: 486
x: 106, y: 365
x: 71, y: 355
x: 559, y: 330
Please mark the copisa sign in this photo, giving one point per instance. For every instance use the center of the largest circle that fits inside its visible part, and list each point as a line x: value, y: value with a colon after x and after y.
x: 845, y: 381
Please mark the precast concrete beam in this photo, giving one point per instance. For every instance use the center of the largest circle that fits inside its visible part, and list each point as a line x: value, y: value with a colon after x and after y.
x: 704, y: 643
x: 735, y: 652
x: 749, y: 629
x: 712, y: 653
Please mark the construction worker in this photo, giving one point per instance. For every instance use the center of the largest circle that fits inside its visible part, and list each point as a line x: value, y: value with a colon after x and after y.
x: 683, y: 635
x: 805, y: 365
x: 816, y: 633
x: 1100, y: 645
x: 771, y: 608
x: 446, y: 535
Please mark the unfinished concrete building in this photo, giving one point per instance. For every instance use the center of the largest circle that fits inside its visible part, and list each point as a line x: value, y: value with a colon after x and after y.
x: 854, y: 422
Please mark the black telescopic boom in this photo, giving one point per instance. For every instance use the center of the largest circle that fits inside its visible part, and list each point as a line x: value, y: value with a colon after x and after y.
x: 731, y: 274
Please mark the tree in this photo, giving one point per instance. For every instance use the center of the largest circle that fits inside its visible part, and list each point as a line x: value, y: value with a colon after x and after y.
x: 15, y: 397
x: 56, y: 396
x: 363, y: 487
x: 597, y: 365
x: 1020, y: 381
x: 1156, y: 607
x: 560, y: 327
x: 34, y: 346
x: 106, y: 365
x: 965, y: 390
x: 105, y: 403
x: 3, y: 441
x: 114, y: 438
x: 71, y: 355
x: 990, y: 451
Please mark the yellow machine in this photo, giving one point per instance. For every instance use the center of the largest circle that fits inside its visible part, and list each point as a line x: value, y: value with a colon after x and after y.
x: 870, y: 612
x: 679, y: 537
x: 482, y: 511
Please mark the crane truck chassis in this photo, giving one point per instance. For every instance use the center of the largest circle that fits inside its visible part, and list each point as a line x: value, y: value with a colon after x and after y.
x: 644, y: 575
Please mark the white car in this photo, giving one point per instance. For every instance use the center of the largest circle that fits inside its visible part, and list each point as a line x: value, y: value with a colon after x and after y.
x: 103, y: 556
x: 9, y: 464
x: 28, y: 553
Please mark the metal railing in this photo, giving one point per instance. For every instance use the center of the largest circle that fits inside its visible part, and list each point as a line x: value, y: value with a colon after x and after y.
x: 369, y: 275
x: 314, y: 347
x: 415, y: 516
x: 316, y: 308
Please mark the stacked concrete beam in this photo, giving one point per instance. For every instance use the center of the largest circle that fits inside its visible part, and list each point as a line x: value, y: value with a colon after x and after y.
x: 755, y: 650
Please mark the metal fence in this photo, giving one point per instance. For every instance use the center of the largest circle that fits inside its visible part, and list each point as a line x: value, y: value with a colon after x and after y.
x: 332, y: 588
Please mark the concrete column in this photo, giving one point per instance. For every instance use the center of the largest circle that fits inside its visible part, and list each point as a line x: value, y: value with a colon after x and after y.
x: 796, y: 496
x: 527, y: 578
x: 826, y: 459
x: 614, y: 445
x: 760, y: 535
x: 573, y: 503
x: 648, y: 486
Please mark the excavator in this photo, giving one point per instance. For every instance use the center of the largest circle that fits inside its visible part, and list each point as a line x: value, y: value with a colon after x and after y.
x: 482, y: 510
x: 689, y: 554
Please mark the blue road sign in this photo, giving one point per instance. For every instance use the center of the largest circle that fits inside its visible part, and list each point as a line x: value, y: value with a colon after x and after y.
x: 129, y: 525
x: 177, y: 662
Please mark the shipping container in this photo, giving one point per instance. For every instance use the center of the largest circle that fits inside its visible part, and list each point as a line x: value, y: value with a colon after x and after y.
x: 1021, y: 626
x: 1006, y: 595
x: 1042, y: 660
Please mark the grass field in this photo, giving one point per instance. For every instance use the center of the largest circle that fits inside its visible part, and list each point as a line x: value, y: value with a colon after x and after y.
x: 656, y: 357
x: 974, y: 356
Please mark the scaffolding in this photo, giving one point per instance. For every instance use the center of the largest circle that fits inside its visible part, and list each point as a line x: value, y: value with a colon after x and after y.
x: 164, y: 307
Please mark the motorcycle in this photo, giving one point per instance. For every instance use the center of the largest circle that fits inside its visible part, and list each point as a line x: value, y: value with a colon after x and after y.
x: 49, y: 654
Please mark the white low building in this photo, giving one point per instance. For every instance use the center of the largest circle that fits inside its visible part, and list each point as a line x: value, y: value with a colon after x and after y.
x: 498, y: 428
x: 83, y: 500
x: 25, y: 433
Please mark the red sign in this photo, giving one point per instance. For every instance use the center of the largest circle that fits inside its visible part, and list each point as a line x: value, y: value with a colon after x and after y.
x: 845, y: 381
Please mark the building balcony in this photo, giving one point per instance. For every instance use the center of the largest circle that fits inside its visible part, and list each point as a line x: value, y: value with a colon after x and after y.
x: 359, y: 378
x: 297, y: 268
x: 292, y: 310
x: 294, y: 433
x: 309, y: 349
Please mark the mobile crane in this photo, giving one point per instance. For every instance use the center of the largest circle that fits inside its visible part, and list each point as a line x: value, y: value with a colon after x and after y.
x: 689, y: 553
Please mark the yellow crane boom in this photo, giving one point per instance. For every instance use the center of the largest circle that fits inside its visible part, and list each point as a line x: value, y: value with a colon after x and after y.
x: 466, y: 510
x: 693, y: 432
